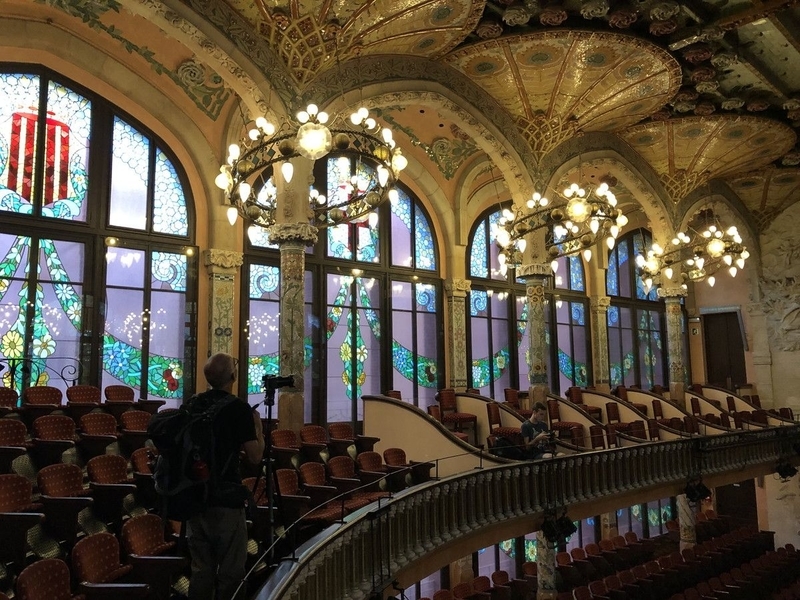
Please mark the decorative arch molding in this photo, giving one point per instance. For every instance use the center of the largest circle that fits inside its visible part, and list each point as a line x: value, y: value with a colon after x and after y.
x: 727, y: 206
x: 226, y: 48
x: 363, y: 74
x: 624, y: 164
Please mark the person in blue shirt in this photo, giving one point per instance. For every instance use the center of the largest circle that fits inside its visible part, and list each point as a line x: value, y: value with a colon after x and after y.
x: 537, y: 435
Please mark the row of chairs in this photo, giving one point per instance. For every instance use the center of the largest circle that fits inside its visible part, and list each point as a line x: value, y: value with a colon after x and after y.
x: 42, y: 400
x: 52, y: 435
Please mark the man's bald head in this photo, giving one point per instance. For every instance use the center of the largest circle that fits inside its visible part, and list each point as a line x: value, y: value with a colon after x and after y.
x: 220, y: 371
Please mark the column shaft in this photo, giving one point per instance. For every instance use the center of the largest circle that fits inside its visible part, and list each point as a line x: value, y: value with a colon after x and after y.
x: 456, y: 291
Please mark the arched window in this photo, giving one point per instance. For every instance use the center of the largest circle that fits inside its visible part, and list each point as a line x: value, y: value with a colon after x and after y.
x: 498, y: 328
x: 636, y: 323
x: 100, y: 286
x: 373, y: 306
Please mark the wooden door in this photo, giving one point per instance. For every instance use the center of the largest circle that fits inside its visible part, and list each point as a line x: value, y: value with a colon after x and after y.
x: 724, y: 349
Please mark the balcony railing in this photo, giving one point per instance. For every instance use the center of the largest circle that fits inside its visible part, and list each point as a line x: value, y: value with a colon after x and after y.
x: 379, y: 545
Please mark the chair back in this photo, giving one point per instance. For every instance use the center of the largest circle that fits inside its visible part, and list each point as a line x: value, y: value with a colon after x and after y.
x: 42, y: 394
x: 54, y: 427
x: 314, y: 434
x: 621, y: 392
x: 45, y: 579
x: 575, y: 395
x: 500, y: 578
x: 395, y: 457
x: 61, y: 480
x: 143, y: 535
x: 287, y: 482
x: 108, y: 468
x: 118, y: 393
x: 15, y: 493
x: 443, y: 595
x: 653, y: 430
x: 8, y: 397
x: 553, y: 411
x: 313, y: 473
x: 284, y: 438
x: 493, y: 412
x: 83, y: 394
x: 142, y: 458
x: 370, y: 461
x: 637, y: 430
x: 511, y: 396
x: 695, y: 402
x: 658, y: 412
x: 342, y: 466
x: 577, y: 437
x: 12, y: 432
x: 435, y: 412
x: 135, y: 420
x: 95, y: 559
x: 731, y: 403
x: 612, y: 412
x: 597, y: 437
x: 394, y: 394
x: 690, y: 424
x: 447, y: 400
x: 463, y: 590
x: 98, y: 424
x: 341, y: 431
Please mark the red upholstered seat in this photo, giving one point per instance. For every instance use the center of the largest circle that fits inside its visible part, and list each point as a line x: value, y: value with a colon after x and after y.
x: 45, y: 579
x: 298, y: 505
x: 435, y: 411
x: 512, y: 399
x: 12, y: 442
x: 342, y: 438
x: 419, y: 471
x: 575, y: 395
x: 52, y: 436
x: 147, y: 549
x: 63, y: 497
x: 18, y: 514
x: 450, y: 414
x: 98, y: 431
x: 133, y: 424
x: 119, y: 399
x: 556, y: 424
x: 40, y: 400
x: 9, y: 400
x: 342, y: 469
x: 496, y: 424
x: 81, y: 400
x: 96, y: 560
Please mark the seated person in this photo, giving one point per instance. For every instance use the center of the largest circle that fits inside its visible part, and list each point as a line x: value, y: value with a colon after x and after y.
x: 538, y: 437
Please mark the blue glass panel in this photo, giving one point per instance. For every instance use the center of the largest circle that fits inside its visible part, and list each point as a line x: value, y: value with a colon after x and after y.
x: 477, y: 257
x: 129, y: 177
x: 265, y: 282
x: 169, y: 202
x: 612, y: 274
x: 423, y: 241
x: 479, y: 301
x: 169, y: 271
x: 576, y: 279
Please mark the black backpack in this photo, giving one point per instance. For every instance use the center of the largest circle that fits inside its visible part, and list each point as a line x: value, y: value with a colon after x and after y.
x: 186, y: 472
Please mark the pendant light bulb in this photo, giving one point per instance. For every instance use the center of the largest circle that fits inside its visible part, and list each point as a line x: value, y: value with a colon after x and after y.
x: 232, y: 215
x: 287, y: 170
x: 587, y: 255
x: 554, y: 266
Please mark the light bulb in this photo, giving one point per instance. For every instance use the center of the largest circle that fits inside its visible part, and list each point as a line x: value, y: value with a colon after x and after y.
x: 503, y: 269
x: 668, y: 272
x: 501, y: 258
x: 323, y: 117
x: 370, y: 123
x: 394, y: 196
x: 253, y: 134
x: 614, y: 231
x: 222, y: 181
x: 554, y: 266
x: 544, y: 201
x: 727, y: 259
x: 233, y: 152
x: 399, y: 162
x: 232, y: 215
x: 373, y: 220
x: 252, y: 233
x: 640, y: 261
x: 312, y: 109
x: 521, y: 245
x: 287, y: 170
x: 740, y: 263
x: 355, y: 118
x: 733, y: 271
x: 363, y: 113
x: 745, y: 254
x: 610, y: 242
x: 386, y: 133
x: 711, y: 281
x: 383, y: 175
x: 622, y: 220
x: 302, y: 116
x: 676, y: 242
x: 244, y: 190
x: 700, y: 262
x: 594, y: 225
x: 587, y: 255
x: 531, y: 203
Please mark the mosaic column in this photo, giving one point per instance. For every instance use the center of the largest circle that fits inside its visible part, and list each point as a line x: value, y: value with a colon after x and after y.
x: 672, y: 295
x: 536, y: 276
x: 545, y: 568
x: 222, y: 266
x: 600, y: 369
x: 686, y: 521
x: 292, y: 238
x: 608, y: 526
x: 456, y: 291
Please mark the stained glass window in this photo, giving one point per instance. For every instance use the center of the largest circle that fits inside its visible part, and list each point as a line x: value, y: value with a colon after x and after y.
x: 147, y: 335
x: 56, y: 128
x: 262, y: 328
x: 412, y: 240
x: 636, y: 326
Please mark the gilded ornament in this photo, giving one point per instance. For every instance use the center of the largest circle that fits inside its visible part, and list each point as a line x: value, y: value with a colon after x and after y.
x: 662, y: 11
x: 698, y: 53
x: 622, y: 18
x: 553, y: 16
x: 707, y: 87
x: 594, y: 9
x: 732, y: 103
x: 703, y: 73
x: 516, y: 15
x: 489, y: 29
x: 723, y: 60
x: 663, y: 27
x: 703, y: 109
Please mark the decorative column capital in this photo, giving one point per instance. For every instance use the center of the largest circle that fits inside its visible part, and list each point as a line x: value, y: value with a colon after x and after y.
x: 599, y: 302
x: 293, y: 232
x: 672, y: 291
x: 223, y: 259
x: 457, y: 287
x: 534, y: 270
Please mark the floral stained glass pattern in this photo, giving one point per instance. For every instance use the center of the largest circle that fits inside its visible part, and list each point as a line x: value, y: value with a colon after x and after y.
x: 478, y: 260
x: 129, y: 177
x: 262, y: 327
x: 169, y: 203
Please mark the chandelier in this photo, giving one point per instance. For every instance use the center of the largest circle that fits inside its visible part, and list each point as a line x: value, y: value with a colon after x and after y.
x: 575, y: 220
x: 694, y: 256
x: 367, y: 152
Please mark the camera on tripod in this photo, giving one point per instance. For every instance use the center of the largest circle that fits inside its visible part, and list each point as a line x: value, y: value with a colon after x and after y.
x: 273, y: 382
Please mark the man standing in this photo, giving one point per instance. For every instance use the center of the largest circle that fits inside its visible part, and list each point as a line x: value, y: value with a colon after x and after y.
x: 217, y: 538
x: 536, y: 434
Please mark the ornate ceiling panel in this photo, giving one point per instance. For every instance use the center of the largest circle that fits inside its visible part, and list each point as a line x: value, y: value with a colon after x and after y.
x: 767, y: 193
x: 309, y: 35
x: 688, y: 152
x: 603, y: 81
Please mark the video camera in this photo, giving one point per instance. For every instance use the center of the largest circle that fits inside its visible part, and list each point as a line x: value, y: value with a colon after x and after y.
x: 274, y: 382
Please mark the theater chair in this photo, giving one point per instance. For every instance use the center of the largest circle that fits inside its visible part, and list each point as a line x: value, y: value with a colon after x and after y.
x: 45, y: 579
x: 562, y: 428
x: 52, y: 436
x: 40, y: 400
x: 465, y: 591
x: 371, y: 462
x: 496, y: 425
x: 12, y: 442
x: 436, y: 413
x: 9, y: 401
x: 63, y: 497
x: 417, y: 472
x: 322, y: 491
x: 343, y: 437
x: 98, y: 431
x: 18, y: 514
x: 314, y: 443
x: 285, y: 449
x: 511, y: 397
x: 96, y: 563
x: 81, y: 400
x: 149, y: 553
x: 575, y: 395
x: 297, y: 507
x: 142, y: 461
x: 134, y: 430
x: 108, y: 480
x: 119, y: 399
x: 519, y: 589
x: 364, y: 485
x: 451, y: 416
